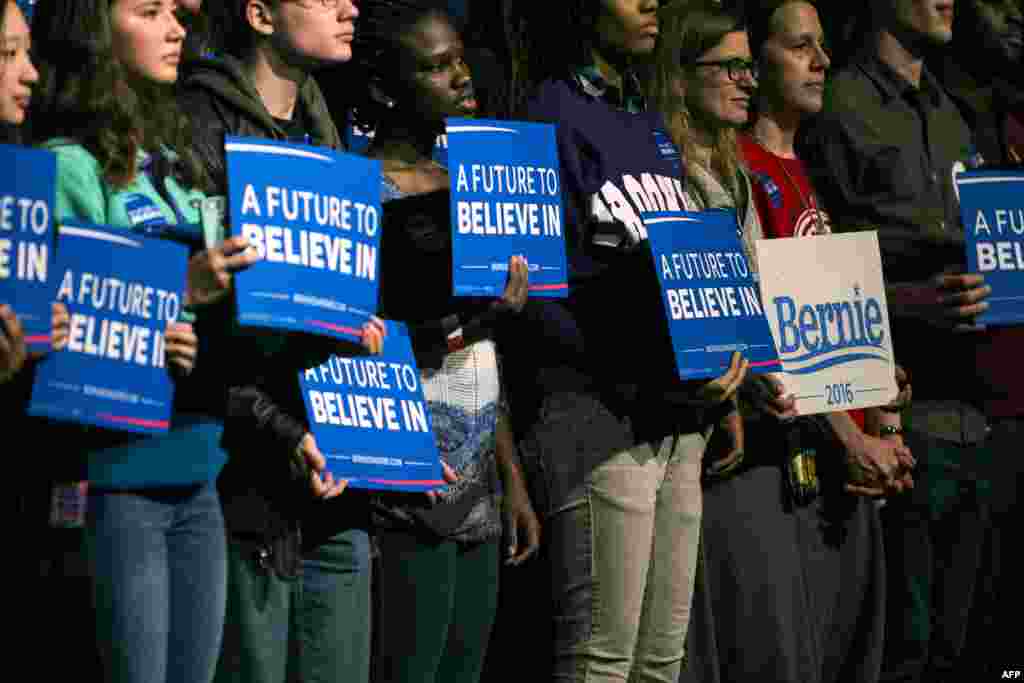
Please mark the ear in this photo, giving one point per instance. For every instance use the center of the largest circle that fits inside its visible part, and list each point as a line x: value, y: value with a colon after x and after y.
x: 260, y: 16
x: 378, y: 95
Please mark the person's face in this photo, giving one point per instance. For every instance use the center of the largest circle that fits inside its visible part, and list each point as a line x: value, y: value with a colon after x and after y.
x: 147, y: 38
x: 928, y: 20
x: 794, y: 61
x: 17, y: 75
x: 712, y: 96
x: 999, y: 27
x: 318, y: 31
x: 627, y: 28
x: 436, y: 80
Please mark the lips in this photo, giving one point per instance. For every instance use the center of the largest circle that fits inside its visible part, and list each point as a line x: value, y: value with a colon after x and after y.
x: 650, y: 29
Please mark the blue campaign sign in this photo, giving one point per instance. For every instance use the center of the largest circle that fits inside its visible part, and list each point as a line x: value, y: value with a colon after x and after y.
x: 370, y: 419
x: 992, y: 208
x: 711, y: 299
x: 27, y: 191
x: 314, y: 217
x: 506, y: 201
x: 122, y: 290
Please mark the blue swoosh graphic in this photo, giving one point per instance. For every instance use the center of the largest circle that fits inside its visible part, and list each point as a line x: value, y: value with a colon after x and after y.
x: 808, y: 356
x: 838, y: 360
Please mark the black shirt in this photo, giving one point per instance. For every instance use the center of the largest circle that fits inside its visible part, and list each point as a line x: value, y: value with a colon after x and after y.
x: 883, y: 155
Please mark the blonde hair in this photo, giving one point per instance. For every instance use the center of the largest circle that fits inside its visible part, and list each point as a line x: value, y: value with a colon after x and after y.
x: 688, y: 30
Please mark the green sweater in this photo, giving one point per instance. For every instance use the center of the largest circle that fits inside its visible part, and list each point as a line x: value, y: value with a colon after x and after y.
x: 189, y: 453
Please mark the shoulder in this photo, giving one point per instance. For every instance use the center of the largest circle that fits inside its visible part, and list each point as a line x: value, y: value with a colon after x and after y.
x: 555, y: 100
x: 80, y: 191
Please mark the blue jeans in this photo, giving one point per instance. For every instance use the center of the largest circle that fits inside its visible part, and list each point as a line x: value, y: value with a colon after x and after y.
x: 315, y: 628
x: 159, y: 573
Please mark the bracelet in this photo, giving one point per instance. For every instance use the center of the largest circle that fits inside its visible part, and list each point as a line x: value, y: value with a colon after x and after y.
x: 889, y: 430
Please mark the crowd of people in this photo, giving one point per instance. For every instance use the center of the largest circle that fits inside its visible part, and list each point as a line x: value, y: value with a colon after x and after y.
x: 602, y: 520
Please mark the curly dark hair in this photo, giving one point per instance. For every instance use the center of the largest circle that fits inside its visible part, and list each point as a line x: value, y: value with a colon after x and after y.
x: 85, y: 94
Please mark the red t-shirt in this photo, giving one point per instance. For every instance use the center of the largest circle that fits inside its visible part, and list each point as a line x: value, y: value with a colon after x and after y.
x: 785, y: 201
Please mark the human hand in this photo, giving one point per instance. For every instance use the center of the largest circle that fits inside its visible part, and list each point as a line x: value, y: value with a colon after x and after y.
x: 210, y: 271
x: 181, y: 347
x: 768, y: 395
x: 879, y: 466
x: 449, y: 476
x: 949, y: 300
x: 13, y: 352
x: 60, y: 326
x: 722, y: 388
x: 373, y: 336
x: 521, y: 523
x: 728, y: 438
x: 905, y: 394
x: 517, y: 286
x: 321, y: 484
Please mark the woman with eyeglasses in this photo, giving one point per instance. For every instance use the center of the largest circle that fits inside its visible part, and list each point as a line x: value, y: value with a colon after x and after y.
x: 298, y: 549
x: 768, y: 603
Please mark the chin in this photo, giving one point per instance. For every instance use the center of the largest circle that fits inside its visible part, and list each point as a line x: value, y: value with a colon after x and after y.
x: 13, y: 117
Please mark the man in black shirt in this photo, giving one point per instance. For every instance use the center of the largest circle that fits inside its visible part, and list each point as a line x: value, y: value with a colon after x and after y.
x: 883, y: 156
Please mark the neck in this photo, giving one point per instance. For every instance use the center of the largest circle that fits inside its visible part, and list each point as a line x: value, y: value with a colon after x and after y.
x: 396, y: 140
x: 776, y: 132
x: 611, y: 70
x: 902, y: 55
x: 277, y: 83
x: 702, y: 145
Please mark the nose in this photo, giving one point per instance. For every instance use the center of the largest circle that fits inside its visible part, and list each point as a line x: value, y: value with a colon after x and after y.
x: 463, y: 74
x: 347, y: 9
x: 29, y: 74
x: 177, y: 32
x: 821, y: 58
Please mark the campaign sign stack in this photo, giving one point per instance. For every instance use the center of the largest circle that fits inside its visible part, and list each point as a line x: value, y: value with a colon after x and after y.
x: 825, y: 301
x: 370, y: 419
x: 506, y: 201
x: 708, y: 289
x: 27, y: 190
x: 122, y: 290
x: 313, y: 216
x: 992, y: 208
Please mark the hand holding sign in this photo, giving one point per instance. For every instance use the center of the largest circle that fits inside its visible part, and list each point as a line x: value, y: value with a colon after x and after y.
x: 181, y: 349
x: 60, y: 323
x: 210, y: 271
x: 12, y: 344
x: 724, y: 387
x: 309, y: 459
x: 517, y: 287
x: 768, y: 395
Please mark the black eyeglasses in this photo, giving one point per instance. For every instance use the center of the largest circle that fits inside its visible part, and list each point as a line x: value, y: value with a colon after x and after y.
x: 735, y: 67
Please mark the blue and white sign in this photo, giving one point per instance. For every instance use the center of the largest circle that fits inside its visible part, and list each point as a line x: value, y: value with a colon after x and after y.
x: 992, y: 207
x: 122, y: 290
x: 314, y: 217
x: 825, y: 301
x: 506, y: 201
x: 711, y: 298
x: 27, y: 191
x: 370, y: 419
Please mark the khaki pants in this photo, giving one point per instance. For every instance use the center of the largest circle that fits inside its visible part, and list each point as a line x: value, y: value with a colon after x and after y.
x: 623, y: 532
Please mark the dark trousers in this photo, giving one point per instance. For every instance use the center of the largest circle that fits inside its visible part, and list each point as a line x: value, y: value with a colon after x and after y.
x: 437, y: 602
x: 311, y: 629
x: 933, y: 541
x: 992, y: 643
